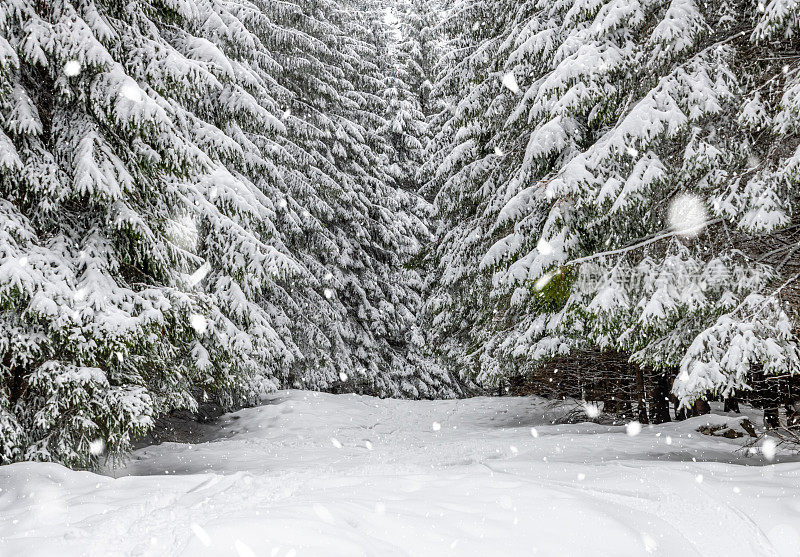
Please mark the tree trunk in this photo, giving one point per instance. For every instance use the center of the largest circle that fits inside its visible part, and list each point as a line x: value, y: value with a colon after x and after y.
x: 792, y: 415
x: 792, y: 406
x: 625, y: 397
x: 767, y: 396
x: 659, y: 407
x: 16, y: 384
x: 732, y: 404
x: 700, y: 407
x: 641, y: 405
x: 772, y: 403
x: 772, y: 417
x: 612, y: 403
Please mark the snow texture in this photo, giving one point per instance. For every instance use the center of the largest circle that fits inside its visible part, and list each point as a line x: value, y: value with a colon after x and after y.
x: 320, y: 474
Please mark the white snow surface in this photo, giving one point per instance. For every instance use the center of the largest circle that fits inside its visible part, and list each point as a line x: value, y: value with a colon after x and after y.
x: 319, y: 474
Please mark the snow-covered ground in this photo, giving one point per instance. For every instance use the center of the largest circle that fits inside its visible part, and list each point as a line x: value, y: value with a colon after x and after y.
x: 317, y: 474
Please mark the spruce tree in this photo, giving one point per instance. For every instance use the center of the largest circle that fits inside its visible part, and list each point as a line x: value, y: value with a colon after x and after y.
x: 639, y: 200
x: 463, y: 159
x: 193, y: 207
x: 357, y: 229
x: 129, y: 248
x: 406, y: 128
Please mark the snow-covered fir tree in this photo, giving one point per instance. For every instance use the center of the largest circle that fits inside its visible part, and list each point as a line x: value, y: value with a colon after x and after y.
x: 130, y: 249
x: 361, y: 229
x: 193, y: 206
x: 421, y: 44
x: 413, y: 59
x: 406, y: 128
x: 634, y: 165
x: 459, y: 313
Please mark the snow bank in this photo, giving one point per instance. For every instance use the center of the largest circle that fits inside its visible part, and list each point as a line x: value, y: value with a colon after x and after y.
x: 316, y: 474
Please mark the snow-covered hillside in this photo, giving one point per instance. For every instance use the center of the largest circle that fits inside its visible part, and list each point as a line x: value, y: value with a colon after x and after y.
x: 318, y: 474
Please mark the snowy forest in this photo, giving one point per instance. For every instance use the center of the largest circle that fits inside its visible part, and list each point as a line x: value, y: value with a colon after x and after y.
x: 582, y: 210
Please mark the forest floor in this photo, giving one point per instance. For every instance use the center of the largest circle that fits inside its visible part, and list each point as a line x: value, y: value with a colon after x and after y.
x: 318, y: 474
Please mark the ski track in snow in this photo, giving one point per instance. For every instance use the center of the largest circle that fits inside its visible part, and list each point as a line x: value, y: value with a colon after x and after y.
x: 296, y: 477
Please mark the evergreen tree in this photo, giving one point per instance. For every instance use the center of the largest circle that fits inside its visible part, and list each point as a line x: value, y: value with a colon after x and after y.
x: 361, y: 228
x: 129, y: 249
x: 635, y: 211
x: 193, y: 206
x: 406, y: 128
x: 459, y: 312
x: 421, y: 46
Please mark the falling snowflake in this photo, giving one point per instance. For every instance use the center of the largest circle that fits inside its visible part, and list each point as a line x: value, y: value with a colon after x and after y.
x: 342, y: 376
x: 72, y: 68
x: 328, y: 275
x: 243, y: 549
x: 97, y: 447
x: 687, y: 215
x: 198, y: 322
x: 514, y: 450
x: 328, y: 293
x: 534, y: 433
x: 669, y: 440
x: 632, y: 152
x: 543, y: 281
x: 769, y: 448
x: 131, y: 91
x: 633, y: 428
x: 581, y: 476
x: 323, y: 513
x: 510, y: 82
x: 201, y: 273
x: 650, y: 544
x: 368, y: 445
x: 591, y: 409
x: 699, y: 478
x: 436, y: 426
x: 335, y: 442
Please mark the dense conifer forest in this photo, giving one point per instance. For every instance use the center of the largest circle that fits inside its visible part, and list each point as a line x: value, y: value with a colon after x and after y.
x: 208, y: 200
